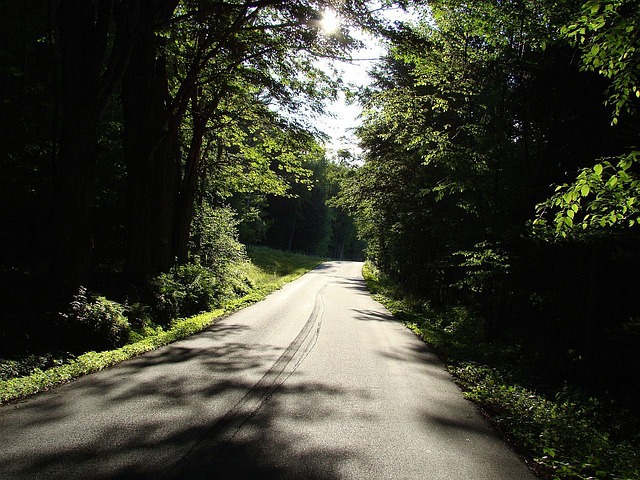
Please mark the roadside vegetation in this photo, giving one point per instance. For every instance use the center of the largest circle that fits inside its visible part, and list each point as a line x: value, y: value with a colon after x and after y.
x: 125, y: 333
x: 564, y: 432
x: 499, y: 191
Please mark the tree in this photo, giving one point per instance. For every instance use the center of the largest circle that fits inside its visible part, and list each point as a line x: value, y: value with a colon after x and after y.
x: 213, y: 46
x: 173, y: 64
x: 604, y: 197
x: 93, y: 59
x: 301, y: 220
x: 453, y: 108
x: 473, y: 115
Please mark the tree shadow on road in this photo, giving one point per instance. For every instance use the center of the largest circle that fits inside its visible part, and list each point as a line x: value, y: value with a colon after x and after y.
x: 366, y: 315
x: 151, y: 422
x: 352, y: 283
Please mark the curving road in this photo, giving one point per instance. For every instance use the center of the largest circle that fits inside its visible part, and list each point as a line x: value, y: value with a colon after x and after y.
x: 318, y: 381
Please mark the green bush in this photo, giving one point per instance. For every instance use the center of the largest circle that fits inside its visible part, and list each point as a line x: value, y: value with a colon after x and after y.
x: 138, y: 314
x: 25, y: 365
x: 239, y: 282
x: 214, y: 239
x: 95, y: 323
x: 569, y: 435
x: 186, y: 290
x: 458, y: 322
x: 211, y: 277
x: 142, y: 325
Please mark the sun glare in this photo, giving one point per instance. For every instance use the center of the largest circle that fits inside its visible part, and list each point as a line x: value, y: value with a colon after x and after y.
x: 330, y: 21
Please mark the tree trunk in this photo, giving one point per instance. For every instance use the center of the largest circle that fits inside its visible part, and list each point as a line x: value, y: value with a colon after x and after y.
x: 81, y: 54
x: 185, y: 202
x: 150, y: 148
x: 293, y: 229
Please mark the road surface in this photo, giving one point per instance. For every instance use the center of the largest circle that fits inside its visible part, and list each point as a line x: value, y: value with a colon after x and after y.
x: 318, y: 381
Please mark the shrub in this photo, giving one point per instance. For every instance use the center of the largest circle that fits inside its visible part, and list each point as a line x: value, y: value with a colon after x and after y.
x: 212, y: 275
x: 138, y: 314
x: 95, y: 322
x: 186, y: 290
x: 214, y: 239
x: 25, y: 365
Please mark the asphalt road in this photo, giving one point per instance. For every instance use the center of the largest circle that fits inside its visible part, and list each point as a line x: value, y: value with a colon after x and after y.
x: 318, y: 381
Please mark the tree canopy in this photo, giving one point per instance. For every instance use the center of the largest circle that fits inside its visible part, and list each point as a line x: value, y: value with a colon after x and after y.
x: 500, y: 171
x: 127, y: 121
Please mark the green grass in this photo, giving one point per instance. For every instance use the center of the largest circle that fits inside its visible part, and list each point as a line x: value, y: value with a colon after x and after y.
x: 267, y: 271
x: 564, y: 433
x: 270, y: 265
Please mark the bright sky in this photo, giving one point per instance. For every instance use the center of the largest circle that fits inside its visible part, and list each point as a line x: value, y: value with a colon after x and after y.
x: 342, y: 118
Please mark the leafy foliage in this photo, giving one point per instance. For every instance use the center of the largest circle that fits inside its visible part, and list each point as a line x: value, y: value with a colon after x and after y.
x: 185, y: 290
x: 484, y: 265
x: 96, y: 322
x: 604, y: 196
x: 607, y: 34
x: 25, y: 366
x: 215, y: 239
x: 568, y: 434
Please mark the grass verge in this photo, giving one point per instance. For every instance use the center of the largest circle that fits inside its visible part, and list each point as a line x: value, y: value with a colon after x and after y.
x: 267, y: 271
x: 564, y: 433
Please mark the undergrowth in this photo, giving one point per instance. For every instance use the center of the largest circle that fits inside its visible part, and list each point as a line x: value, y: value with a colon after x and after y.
x: 267, y: 271
x: 564, y: 433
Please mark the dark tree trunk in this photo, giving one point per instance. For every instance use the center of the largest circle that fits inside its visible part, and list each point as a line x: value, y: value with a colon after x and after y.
x: 150, y: 144
x: 185, y: 202
x: 82, y: 42
x: 92, y: 61
x: 293, y: 229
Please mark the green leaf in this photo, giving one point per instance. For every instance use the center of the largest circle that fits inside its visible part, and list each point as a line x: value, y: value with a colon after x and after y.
x: 593, y: 6
x: 598, y: 169
x: 584, y: 191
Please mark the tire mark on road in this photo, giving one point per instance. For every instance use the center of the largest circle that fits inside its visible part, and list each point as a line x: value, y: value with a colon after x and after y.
x: 225, y: 429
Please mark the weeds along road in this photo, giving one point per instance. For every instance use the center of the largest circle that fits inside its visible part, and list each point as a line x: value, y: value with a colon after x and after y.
x: 318, y: 381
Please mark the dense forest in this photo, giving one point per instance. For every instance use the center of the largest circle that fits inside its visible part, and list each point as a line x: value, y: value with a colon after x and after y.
x: 146, y: 142
x: 501, y: 172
